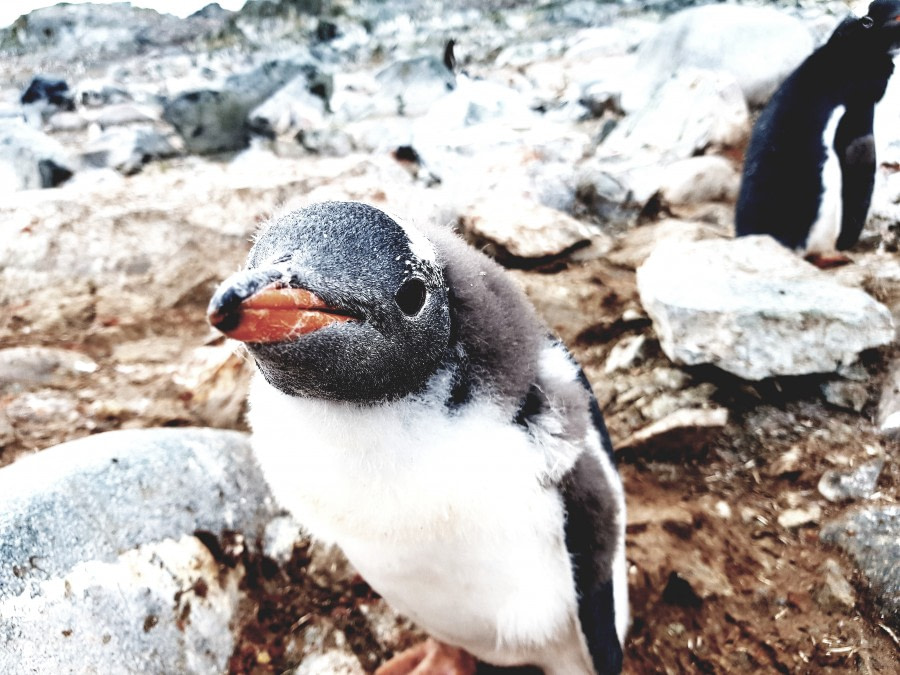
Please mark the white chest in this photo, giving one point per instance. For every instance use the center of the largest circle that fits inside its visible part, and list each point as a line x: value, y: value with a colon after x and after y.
x: 826, y: 229
x: 448, y: 521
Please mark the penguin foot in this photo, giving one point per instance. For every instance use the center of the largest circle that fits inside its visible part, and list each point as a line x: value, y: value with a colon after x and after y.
x: 826, y: 261
x: 430, y: 658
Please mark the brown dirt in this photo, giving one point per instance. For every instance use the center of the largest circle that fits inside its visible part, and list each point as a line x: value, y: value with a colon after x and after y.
x: 717, y: 585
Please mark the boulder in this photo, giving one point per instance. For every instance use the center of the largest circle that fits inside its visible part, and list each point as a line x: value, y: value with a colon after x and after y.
x: 754, y: 309
x: 105, y: 558
x: 757, y: 46
x: 871, y: 537
x: 692, y: 112
x: 290, y: 110
x: 414, y: 85
x: 29, y: 159
x: 127, y: 149
x: 707, y: 178
x: 215, y: 119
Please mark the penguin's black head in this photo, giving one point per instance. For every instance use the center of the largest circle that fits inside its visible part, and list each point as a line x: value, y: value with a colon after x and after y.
x: 338, y: 301
x: 882, y: 24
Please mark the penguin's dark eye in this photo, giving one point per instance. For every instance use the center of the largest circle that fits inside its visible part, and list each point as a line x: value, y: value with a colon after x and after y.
x: 867, y: 22
x: 411, y: 296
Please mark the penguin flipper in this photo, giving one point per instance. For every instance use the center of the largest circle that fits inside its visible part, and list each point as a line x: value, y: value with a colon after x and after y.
x: 855, y: 148
x: 591, y: 538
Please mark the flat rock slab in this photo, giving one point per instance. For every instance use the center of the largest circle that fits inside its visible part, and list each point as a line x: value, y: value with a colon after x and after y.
x: 100, y: 570
x: 755, y: 309
x: 871, y: 536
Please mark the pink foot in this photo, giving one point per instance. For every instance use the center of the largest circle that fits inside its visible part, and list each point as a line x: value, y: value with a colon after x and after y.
x: 826, y: 261
x: 430, y: 658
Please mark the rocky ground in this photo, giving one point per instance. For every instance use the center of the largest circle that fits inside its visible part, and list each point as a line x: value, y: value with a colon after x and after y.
x: 762, y: 489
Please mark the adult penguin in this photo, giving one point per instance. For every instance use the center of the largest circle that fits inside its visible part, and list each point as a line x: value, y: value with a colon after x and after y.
x: 411, y: 408
x: 810, y: 165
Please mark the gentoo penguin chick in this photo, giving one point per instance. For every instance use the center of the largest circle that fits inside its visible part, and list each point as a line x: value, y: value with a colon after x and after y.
x: 410, y: 407
x: 810, y: 165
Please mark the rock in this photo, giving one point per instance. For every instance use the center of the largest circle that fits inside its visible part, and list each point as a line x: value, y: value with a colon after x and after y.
x: 791, y: 462
x: 844, y: 394
x: 217, y: 379
x: 127, y: 149
x: 888, y: 416
x: 215, y: 119
x: 30, y: 159
x: 837, y: 486
x: 523, y: 229
x: 30, y: 366
x: 99, y: 566
x: 754, y: 309
x: 708, y: 178
x: 871, y: 537
x: 333, y: 662
x: 290, y: 110
x: 684, y: 432
x: 792, y: 519
x: 99, y: 92
x: 414, y: 85
x: 834, y: 593
x: 628, y: 352
x: 49, y: 92
x: 636, y: 245
x: 610, y: 193
x: 119, y: 114
x: 728, y: 38
x: 693, y: 112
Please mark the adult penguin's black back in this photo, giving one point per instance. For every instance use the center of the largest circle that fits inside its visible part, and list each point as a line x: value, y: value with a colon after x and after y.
x: 810, y: 165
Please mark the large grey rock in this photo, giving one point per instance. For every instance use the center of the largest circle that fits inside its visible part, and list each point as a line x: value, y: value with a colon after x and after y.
x: 215, y: 119
x: 99, y: 568
x: 29, y: 159
x: 291, y: 109
x: 871, y: 537
x: 413, y: 85
x: 757, y: 46
x: 753, y: 308
x: 693, y: 111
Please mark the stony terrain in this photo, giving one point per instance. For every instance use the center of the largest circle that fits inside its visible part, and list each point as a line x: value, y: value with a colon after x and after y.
x: 594, y: 149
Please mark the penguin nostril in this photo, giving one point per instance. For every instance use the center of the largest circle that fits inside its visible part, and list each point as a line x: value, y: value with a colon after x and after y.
x: 411, y: 296
x: 867, y: 22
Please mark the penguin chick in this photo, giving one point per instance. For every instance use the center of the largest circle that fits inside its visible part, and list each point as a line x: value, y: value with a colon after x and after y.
x: 810, y: 165
x: 411, y: 408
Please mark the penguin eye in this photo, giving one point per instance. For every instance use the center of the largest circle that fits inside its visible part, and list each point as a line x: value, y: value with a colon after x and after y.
x: 867, y: 22
x: 411, y: 296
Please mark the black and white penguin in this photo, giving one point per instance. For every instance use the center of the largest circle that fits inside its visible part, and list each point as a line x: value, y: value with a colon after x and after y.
x: 810, y: 165
x: 411, y: 407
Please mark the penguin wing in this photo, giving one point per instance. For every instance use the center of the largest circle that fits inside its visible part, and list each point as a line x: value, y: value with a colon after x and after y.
x: 854, y: 144
x: 592, y: 530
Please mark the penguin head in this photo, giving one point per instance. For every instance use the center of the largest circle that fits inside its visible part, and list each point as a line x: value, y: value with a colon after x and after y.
x: 338, y: 301
x: 881, y: 24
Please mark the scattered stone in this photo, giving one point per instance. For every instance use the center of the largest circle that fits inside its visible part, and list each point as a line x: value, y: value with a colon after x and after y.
x: 837, y: 486
x: 127, y: 149
x: 282, y: 534
x: 217, y: 379
x: 48, y: 92
x: 627, y: 353
x: 871, y: 536
x: 524, y: 229
x: 792, y: 519
x: 684, y: 431
x: 30, y: 159
x: 708, y: 178
x: 788, y: 463
x: 845, y: 394
x: 636, y: 245
x: 693, y: 112
x: 834, y: 593
x: 888, y: 416
x: 119, y: 114
x: 757, y: 46
x: 30, y: 366
x: 332, y: 662
x: 753, y: 308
